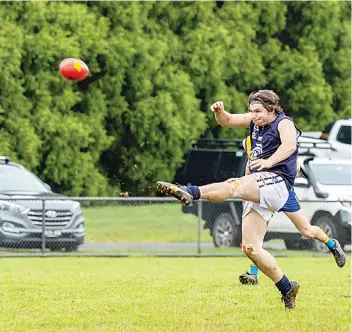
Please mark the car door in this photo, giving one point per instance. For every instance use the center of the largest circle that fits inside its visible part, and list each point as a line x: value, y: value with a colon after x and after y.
x: 340, y: 139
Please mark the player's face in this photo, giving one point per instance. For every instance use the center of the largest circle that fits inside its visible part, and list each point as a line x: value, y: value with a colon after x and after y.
x: 260, y: 115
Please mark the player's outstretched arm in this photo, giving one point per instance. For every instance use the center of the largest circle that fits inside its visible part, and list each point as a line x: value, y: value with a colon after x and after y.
x: 227, y: 120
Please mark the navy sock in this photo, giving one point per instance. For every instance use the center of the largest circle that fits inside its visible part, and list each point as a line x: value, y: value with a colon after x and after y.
x: 283, y: 285
x: 194, y: 191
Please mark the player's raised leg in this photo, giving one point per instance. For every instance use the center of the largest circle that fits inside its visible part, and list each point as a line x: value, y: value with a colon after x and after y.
x: 245, y: 188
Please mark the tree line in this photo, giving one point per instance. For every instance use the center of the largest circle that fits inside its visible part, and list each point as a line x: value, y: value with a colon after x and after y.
x: 155, y: 68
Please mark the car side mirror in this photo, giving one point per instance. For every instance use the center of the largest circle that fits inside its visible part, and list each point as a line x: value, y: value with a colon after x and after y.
x: 321, y: 194
x: 301, y: 183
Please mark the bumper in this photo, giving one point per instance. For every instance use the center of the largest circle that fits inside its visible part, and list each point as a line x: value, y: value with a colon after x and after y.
x: 18, y: 231
x: 36, y: 242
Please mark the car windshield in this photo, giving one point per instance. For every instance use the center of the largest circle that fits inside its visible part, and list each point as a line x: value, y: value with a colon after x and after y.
x: 19, y: 179
x: 332, y: 174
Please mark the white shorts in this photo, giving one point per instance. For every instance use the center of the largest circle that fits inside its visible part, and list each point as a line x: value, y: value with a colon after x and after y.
x: 273, y: 195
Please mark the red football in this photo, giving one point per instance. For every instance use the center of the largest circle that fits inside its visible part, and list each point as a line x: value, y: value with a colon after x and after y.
x: 73, y: 69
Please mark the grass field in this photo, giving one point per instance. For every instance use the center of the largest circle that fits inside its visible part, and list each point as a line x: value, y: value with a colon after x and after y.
x: 144, y: 223
x: 168, y: 294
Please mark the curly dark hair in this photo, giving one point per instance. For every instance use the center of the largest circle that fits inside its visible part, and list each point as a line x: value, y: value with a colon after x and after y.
x: 268, y: 98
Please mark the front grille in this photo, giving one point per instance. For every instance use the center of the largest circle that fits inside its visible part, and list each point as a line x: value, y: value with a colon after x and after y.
x: 62, y: 218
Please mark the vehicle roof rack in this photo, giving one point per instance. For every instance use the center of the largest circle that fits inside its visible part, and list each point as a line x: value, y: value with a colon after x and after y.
x: 315, y: 145
x: 5, y: 159
x: 215, y: 144
x: 307, y: 148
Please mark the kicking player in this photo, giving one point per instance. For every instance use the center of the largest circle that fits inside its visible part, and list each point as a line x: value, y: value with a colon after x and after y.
x: 266, y: 189
x: 294, y: 212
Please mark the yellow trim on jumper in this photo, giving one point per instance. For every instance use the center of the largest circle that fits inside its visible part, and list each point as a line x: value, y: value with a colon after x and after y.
x: 248, y: 146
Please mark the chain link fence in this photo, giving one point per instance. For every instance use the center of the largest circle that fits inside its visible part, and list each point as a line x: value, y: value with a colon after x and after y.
x: 109, y: 226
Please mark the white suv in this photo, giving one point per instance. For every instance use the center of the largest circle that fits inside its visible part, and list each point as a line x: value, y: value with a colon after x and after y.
x: 327, y: 184
x: 333, y: 142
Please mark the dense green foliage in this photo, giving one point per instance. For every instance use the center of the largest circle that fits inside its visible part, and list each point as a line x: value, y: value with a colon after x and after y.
x: 155, y: 69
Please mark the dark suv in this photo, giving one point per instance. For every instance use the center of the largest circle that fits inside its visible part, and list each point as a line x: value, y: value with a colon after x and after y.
x: 21, y: 220
x: 216, y: 160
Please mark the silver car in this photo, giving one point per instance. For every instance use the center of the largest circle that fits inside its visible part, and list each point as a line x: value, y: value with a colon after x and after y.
x: 25, y: 223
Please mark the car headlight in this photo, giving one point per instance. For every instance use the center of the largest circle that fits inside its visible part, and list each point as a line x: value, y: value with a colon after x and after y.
x: 10, y: 227
x: 11, y: 207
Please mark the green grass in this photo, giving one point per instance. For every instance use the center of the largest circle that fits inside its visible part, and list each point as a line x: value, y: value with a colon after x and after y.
x: 143, y: 223
x: 168, y: 294
x: 137, y: 251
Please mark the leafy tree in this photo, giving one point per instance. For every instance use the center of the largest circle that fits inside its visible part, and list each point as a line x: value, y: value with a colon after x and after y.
x: 60, y: 127
x: 153, y: 110
x: 155, y: 69
x: 318, y: 36
x: 17, y: 134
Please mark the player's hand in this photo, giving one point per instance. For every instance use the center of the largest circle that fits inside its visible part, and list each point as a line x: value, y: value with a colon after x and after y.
x: 217, y: 107
x: 260, y: 164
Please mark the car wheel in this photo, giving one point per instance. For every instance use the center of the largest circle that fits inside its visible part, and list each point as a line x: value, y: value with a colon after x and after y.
x: 297, y: 244
x: 326, y: 223
x: 224, y: 231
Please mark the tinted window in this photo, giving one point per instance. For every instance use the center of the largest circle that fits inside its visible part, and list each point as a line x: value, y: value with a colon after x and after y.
x: 19, y: 179
x: 201, y: 167
x: 333, y: 174
x: 328, y: 128
x: 231, y: 165
x: 207, y: 166
x: 344, y: 135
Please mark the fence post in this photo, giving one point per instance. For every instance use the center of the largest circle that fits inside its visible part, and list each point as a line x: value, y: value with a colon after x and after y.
x: 43, y: 226
x: 200, y: 210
